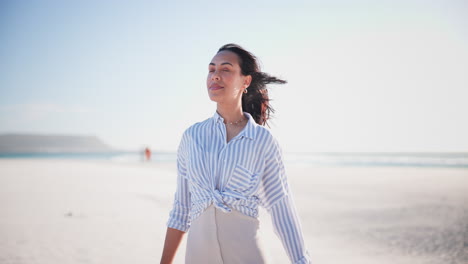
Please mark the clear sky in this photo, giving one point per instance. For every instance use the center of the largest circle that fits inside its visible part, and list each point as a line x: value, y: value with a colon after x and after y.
x: 362, y: 75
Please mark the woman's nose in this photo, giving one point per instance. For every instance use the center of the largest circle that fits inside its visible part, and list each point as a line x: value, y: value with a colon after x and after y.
x: 215, y: 76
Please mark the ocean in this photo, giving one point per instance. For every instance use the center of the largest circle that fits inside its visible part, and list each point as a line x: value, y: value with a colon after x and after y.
x: 455, y: 160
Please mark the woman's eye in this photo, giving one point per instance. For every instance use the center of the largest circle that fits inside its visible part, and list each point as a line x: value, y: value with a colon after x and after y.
x: 226, y: 70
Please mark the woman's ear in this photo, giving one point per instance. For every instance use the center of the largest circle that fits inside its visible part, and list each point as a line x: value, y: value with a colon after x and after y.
x: 247, y: 81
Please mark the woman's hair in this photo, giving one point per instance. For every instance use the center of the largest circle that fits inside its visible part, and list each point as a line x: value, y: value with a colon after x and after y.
x: 256, y: 100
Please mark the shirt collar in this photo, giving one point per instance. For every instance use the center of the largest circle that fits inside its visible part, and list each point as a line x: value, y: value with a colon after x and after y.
x: 248, y: 131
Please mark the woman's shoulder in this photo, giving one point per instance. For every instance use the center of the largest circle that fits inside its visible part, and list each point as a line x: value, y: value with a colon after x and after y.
x: 197, y: 127
x: 265, y: 135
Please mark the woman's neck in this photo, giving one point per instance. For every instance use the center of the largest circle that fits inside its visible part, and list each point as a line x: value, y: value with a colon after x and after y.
x: 230, y: 113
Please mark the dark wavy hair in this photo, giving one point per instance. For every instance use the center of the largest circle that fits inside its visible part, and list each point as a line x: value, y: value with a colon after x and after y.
x: 256, y: 101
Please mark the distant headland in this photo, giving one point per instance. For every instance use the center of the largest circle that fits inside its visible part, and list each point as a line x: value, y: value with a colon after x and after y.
x: 51, y: 143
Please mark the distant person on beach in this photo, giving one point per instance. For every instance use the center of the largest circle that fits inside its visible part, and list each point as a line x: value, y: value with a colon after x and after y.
x: 228, y: 165
x: 147, y: 154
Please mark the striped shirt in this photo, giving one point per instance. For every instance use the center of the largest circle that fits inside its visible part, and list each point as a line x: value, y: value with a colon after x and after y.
x: 241, y: 174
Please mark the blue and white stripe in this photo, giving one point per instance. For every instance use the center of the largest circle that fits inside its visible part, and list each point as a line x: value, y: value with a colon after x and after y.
x: 242, y: 174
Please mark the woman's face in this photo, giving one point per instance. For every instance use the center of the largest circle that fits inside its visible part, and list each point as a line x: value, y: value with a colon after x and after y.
x: 225, y: 81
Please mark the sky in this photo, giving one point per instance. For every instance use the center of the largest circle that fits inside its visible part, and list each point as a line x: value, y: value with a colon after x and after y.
x: 363, y: 76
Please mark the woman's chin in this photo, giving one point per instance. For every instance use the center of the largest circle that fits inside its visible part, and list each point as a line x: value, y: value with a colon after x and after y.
x: 215, y: 100
x: 215, y: 97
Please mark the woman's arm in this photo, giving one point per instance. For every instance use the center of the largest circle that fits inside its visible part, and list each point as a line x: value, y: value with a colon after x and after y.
x: 178, y: 223
x: 171, y: 244
x: 277, y: 198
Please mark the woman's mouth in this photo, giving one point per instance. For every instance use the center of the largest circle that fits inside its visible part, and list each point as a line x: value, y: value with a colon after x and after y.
x: 215, y: 87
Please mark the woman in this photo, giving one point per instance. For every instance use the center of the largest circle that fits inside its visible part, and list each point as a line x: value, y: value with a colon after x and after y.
x: 228, y: 165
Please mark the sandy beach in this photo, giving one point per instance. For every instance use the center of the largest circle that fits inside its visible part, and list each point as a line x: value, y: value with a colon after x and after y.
x: 76, y: 211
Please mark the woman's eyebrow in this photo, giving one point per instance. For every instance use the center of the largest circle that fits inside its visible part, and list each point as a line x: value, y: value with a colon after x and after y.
x: 224, y: 63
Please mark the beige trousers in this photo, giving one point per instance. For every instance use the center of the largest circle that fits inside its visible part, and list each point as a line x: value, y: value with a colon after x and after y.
x: 216, y: 237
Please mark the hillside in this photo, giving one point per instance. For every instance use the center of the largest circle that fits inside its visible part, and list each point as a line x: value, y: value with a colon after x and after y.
x: 50, y: 143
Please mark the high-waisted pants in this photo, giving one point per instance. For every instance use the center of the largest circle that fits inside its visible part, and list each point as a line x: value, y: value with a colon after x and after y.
x: 216, y: 237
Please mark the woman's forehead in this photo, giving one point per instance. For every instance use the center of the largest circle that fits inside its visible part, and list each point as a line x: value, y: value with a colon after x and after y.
x: 225, y: 56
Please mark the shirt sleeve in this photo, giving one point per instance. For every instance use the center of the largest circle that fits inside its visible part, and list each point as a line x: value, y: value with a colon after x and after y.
x: 179, y: 215
x: 277, y: 199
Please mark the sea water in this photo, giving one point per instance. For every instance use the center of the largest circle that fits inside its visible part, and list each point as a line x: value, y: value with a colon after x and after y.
x: 456, y: 160
x: 381, y: 159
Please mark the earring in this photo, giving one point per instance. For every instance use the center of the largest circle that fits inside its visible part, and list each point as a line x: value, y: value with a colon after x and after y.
x: 245, y: 90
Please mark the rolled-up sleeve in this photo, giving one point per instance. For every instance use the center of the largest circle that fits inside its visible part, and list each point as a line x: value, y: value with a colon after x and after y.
x: 276, y: 197
x: 179, y: 215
